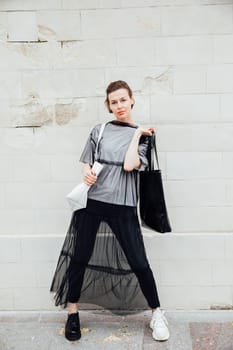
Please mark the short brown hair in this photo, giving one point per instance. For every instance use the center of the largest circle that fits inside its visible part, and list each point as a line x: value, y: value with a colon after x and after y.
x: 116, y: 85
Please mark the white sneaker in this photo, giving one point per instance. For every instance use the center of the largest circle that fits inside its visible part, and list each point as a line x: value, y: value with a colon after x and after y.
x: 159, y: 325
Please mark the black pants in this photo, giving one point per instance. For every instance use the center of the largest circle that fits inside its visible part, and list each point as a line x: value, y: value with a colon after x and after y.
x: 123, y: 222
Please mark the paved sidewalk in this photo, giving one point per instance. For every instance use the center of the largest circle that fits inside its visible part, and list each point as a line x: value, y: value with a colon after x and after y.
x: 101, y: 330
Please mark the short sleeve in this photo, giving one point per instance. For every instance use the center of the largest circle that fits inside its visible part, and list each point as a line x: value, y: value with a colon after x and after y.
x: 142, y: 152
x: 88, y: 152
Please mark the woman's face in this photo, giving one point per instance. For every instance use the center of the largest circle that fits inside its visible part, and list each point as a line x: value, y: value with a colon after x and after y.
x: 120, y: 104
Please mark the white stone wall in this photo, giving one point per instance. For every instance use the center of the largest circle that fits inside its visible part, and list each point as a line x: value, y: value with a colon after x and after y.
x: 56, y: 59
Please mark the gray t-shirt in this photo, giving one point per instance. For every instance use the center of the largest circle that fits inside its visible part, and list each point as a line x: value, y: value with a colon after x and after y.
x: 114, y: 184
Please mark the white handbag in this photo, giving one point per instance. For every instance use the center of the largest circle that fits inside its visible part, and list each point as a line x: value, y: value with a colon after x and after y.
x: 77, y: 198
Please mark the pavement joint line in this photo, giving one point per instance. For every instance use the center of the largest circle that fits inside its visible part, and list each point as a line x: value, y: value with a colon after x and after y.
x: 173, y: 315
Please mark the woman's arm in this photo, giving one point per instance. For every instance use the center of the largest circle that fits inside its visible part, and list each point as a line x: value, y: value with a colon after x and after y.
x: 132, y: 160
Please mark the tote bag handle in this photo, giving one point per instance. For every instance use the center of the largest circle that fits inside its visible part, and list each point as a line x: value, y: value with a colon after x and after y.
x: 98, y: 141
x: 152, y: 152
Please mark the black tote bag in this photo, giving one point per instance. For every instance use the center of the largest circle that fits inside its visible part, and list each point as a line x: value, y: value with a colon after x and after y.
x: 152, y: 206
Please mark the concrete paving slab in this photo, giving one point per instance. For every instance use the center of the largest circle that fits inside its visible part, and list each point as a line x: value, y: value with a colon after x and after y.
x: 102, y: 330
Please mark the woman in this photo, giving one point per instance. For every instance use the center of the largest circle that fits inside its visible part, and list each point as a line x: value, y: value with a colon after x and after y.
x: 103, y: 259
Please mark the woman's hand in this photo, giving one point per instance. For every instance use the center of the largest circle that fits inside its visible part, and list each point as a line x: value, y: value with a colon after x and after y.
x: 145, y: 131
x: 89, y: 176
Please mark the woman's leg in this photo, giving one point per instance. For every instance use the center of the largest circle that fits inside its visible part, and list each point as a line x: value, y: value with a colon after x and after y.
x: 83, y: 250
x: 128, y: 233
x: 86, y: 234
x: 72, y: 308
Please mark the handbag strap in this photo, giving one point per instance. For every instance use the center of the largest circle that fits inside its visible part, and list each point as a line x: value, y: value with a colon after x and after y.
x: 152, y: 151
x: 98, y: 140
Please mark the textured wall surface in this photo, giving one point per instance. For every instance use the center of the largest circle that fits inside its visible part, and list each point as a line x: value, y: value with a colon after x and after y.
x: 56, y: 58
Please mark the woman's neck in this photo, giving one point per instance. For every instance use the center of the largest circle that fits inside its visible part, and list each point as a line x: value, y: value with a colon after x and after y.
x: 126, y: 121
x: 120, y: 122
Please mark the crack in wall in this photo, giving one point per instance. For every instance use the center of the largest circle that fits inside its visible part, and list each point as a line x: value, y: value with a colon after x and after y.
x: 162, y: 83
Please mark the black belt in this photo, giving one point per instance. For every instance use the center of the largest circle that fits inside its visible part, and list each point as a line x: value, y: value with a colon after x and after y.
x: 110, y: 162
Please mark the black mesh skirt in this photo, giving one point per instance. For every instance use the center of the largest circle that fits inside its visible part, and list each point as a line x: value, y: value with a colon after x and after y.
x: 102, y: 256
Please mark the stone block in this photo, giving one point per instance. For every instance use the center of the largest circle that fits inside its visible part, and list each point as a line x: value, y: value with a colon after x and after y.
x: 36, y: 85
x: 33, y: 298
x: 89, y: 53
x: 185, y: 247
x: 161, y: 84
x: 5, y: 147
x: 189, y: 20
x: 52, y: 221
x: 135, y: 51
x: 43, y: 250
x: 77, y: 112
x: 223, y: 272
x: 30, y: 55
x: 178, y: 273
x: 44, y: 195
x: 197, y: 193
x: 229, y: 246
x: 18, y: 275
x: 32, y: 112
x: 3, y: 26
x: 16, y: 142
x: 65, y: 112
x: 10, y: 85
x: 195, y: 137
x: 184, y: 50
x: 201, y: 219
x: 78, y: 83
x: 69, y: 144
x: 220, y: 78
x: 44, y: 274
x: 226, y: 107
x: 196, y: 297
x: 12, y: 5
x: 193, y: 2
x: 65, y: 168
x: 227, y: 159
x: 61, y: 26
x: 36, y: 56
x: 189, y: 79
x: 31, y: 168
x: 3, y: 196
x: 139, y: 3
x: 90, y: 4
x: 10, y: 250
x: 6, y: 299
x: 22, y: 26
x: 195, y: 165
x: 229, y: 191
x: 5, y: 120
x: 64, y: 83
x: 184, y: 108
x: 55, y: 194
x: 89, y: 82
x: 13, y: 57
x: 105, y: 23
x: 223, y: 48
x: 5, y: 169
x: 23, y: 222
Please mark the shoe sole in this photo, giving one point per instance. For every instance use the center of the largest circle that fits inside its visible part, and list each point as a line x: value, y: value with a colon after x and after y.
x: 164, y: 339
x: 72, y: 337
x: 161, y: 340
